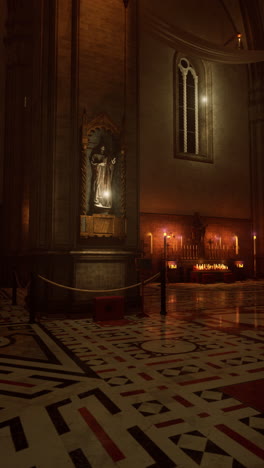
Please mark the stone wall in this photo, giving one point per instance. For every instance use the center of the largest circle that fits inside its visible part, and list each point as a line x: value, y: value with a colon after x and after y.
x: 182, y: 186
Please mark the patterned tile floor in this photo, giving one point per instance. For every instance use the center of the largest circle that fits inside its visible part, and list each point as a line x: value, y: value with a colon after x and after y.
x: 180, y: 390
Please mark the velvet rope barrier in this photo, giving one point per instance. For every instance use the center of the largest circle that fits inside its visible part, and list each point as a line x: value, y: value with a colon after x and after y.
x: 97, y: 290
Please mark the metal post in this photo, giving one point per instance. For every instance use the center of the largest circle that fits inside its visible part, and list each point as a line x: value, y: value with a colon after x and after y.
x: 142, y: 294
x: 255, y: 255
x: 163, y: 278
x: 14, y: 288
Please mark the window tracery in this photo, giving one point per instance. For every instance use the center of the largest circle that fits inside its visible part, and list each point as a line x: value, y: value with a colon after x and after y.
x: 192, y: 109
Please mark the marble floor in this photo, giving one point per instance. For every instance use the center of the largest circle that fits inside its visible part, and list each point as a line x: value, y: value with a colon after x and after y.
x: 183, y: 389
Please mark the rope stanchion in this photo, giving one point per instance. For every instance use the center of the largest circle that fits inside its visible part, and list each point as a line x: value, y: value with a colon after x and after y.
x: 30, y: 287
x: 32, y: 302
x: 96, y: 290
x: 20, y: 285
x: 14, y: 288
x: 26, y: 290
x: 163, y: 291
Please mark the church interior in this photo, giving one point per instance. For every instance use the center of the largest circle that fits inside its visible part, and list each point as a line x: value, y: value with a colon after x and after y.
x: 132, y: 233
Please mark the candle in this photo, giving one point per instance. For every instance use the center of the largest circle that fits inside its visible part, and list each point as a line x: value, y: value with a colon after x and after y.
x: 255, y: 254
x: 236, y: 245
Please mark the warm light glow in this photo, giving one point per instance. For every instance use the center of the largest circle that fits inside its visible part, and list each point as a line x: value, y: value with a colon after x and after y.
x: 25, y: 216
x: 180, y: 238
x: 172, y: 265
x: 239, y: 36
x: 204, y: 99
x: 107, y: 193
x: 151, y: 242
x: 236, y: 245
x: 209, y: 266
x: 167, y: 235
x: 237, y: 314
x: 255, y: 254
x: 219, y: 241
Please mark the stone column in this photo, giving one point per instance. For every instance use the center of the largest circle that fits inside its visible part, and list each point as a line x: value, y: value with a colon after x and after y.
x: 253, y: 15
x: 256, y: 114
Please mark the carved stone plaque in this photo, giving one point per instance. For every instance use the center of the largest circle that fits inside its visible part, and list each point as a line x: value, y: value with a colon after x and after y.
x: 102, y: 226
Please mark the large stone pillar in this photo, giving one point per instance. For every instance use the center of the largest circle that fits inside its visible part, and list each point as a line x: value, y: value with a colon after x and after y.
x: 256, y: 112
x: 64, y: 56
x: 253, y: 16
x: 3, y: 9
x: 22, y: 81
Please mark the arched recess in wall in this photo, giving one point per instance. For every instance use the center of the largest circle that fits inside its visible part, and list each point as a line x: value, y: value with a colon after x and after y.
x: 97, y: 219
x: 192, y: 109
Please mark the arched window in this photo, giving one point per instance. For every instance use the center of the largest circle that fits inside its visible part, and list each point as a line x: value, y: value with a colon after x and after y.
x: 188, y: 108
x: 192, y: 109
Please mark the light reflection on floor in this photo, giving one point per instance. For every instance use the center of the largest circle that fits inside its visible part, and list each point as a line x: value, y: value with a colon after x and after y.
x: 238, y: 303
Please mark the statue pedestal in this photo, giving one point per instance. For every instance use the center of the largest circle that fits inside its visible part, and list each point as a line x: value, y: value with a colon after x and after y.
x: 102, y: 225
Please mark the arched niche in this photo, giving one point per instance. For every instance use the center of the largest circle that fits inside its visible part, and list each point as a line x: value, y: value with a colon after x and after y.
x: 100, y: 219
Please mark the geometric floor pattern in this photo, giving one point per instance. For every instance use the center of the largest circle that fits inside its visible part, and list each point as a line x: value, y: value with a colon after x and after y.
x: 183, y: 389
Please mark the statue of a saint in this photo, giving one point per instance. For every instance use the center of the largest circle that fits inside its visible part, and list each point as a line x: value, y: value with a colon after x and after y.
x: 102, y: 165
x: 198, y: 229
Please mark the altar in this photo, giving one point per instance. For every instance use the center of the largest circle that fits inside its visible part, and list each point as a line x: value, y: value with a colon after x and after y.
x: 213, y: 276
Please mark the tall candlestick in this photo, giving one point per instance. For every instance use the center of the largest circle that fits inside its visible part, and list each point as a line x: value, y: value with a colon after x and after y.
x: 236, y: 245
x: 255, y: 255
x: 165, y: 246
